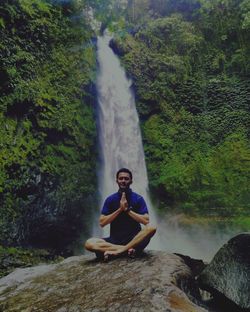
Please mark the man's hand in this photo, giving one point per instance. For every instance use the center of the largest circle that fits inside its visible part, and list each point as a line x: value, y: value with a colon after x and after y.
x: 123, y: 202
x: 109, y: 218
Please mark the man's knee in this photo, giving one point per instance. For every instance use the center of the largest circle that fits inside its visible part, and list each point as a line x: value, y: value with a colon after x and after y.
x: 150, y: 230
x: 89, y: 244
x: 93, y: 243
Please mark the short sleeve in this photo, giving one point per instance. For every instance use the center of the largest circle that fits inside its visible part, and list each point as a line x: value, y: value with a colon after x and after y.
x: 142, y: 206
x: 106, y: 207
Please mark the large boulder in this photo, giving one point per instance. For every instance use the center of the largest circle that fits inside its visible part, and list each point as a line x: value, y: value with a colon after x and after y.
x: 154, y: 282
x: 228, y: 274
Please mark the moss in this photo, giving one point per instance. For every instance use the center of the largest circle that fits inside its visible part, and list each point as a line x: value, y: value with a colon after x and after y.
x: 15, y: 257
x: 47, y: 133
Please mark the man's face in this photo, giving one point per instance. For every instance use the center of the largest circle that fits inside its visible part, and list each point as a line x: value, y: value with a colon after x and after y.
x: 124, y: 180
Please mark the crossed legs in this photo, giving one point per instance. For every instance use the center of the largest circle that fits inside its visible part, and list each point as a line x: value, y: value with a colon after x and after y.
x: 99, y: 245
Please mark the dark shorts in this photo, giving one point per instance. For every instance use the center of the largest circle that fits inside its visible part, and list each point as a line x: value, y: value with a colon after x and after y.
x: 115, y: 241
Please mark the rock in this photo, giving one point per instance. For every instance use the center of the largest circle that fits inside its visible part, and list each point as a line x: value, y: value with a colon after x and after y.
x: 82, y: 283
x: 46, y: 218
x: 196, y: 266
x: 228, y: 274
x: 44, y: 223
x: 117, y: 49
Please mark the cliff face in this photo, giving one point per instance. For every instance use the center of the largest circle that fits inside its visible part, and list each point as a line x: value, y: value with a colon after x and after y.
x: 155, y: 282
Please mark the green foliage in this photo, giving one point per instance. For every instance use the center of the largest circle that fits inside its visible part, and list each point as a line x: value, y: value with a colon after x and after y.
x: 108, y: 13
x: 47, y: 64
x: 245, y: 9
x: 11, y: 258
x: 189, y: 63
x: 242, y: 222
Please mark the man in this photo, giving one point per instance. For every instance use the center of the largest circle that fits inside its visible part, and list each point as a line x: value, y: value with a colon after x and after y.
x: 124, y: 211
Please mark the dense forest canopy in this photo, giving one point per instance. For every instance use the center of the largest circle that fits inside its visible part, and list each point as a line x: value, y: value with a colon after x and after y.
x: 47, y: 154
x: 189, y: 61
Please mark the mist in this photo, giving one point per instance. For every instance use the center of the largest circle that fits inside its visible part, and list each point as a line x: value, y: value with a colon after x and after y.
x: 199, y: 241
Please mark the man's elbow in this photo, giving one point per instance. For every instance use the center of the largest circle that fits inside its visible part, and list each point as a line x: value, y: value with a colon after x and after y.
x: 146, y: 221
x: 101, y: 223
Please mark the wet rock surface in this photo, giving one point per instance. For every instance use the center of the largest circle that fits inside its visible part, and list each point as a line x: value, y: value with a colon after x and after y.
x: 150, y: 283
x: 228, y: 274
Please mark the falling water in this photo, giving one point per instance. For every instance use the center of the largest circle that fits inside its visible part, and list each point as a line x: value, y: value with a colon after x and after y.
x: 119, y: 131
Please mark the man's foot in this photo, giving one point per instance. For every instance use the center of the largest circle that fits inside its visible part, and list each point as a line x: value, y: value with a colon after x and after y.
x: 131, y: 253
x: 108, y: 255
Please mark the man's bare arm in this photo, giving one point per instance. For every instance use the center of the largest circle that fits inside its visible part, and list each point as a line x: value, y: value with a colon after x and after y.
x: 104, y: 220
x: 144, y: 219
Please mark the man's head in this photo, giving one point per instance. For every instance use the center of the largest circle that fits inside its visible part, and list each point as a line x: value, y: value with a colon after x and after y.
x: 124, y: 178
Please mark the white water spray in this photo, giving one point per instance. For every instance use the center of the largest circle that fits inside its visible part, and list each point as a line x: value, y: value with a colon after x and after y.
x: 119, y: 131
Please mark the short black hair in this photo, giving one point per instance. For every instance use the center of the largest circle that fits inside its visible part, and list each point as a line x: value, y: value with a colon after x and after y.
x: 124, y: 170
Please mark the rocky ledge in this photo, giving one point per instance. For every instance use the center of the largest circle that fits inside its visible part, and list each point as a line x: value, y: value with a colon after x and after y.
x: 157, y: 281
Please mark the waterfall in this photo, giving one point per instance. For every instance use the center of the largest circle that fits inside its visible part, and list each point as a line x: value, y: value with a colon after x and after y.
x: 119, y: 130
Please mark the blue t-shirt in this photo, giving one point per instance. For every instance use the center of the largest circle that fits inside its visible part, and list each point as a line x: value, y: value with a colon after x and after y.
x: 124, y: 228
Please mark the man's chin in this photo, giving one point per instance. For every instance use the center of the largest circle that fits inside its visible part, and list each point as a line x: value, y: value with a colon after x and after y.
x: 124, y: 188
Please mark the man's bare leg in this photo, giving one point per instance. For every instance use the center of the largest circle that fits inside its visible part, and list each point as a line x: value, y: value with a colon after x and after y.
x: 147, y: 232
x: 100, y: 245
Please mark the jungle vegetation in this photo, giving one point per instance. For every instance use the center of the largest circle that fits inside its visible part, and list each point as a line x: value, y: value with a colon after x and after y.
x: 47, y: 132
x: 189, y: 61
